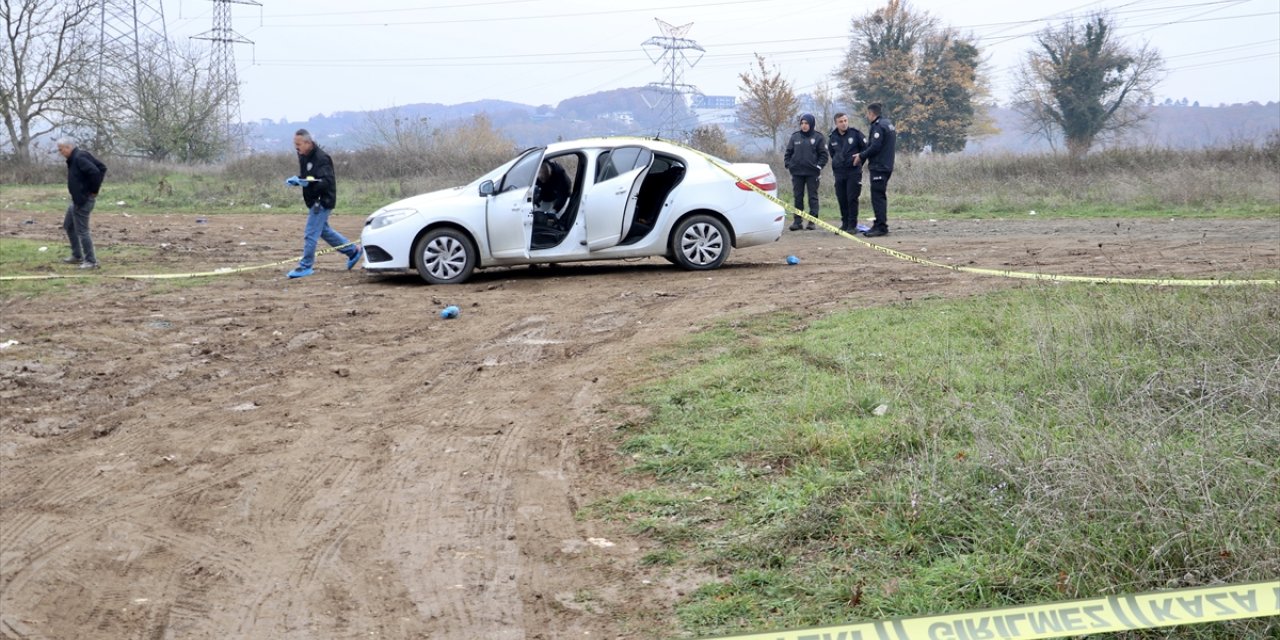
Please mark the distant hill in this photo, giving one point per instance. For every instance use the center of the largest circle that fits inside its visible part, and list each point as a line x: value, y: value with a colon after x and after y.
x: 626, y: 112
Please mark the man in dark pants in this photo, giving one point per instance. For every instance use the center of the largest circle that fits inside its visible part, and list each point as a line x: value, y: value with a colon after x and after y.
x: 805, y: 157
x: 552, y: 191
x: 879, y: 159
x: 846, y: 141
x: 320, y: 193
x: 84, y: 178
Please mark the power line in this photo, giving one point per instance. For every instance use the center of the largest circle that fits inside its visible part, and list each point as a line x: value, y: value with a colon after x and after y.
x: 467, y: 5
x: 1221, y: 49
x: 1215, y: 63
x: 510, y: 18
x: 519, y: 56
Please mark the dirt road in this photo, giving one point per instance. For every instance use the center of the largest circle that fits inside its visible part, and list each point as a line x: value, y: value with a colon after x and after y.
x: 252, y: 457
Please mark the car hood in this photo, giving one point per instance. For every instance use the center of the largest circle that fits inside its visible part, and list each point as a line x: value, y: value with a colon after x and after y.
x: 421, y: 200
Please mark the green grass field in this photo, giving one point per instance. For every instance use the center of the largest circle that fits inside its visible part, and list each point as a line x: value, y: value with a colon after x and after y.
x: 21, y: 257
x: 202, y: 194
x: 1029, y: 446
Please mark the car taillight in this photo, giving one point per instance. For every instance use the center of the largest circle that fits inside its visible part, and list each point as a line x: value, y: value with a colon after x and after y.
x: 764, y: 181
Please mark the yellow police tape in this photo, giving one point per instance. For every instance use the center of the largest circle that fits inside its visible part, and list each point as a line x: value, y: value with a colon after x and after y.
x: 168, y: 276
x: 1060, y: 619
x: 1003, y: 273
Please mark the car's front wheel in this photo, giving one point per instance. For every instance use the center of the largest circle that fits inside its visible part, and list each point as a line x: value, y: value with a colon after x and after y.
x: 444, y: 256
x: 699, y: 243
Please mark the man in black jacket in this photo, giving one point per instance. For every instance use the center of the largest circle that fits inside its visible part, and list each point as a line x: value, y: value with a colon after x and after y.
x: 320, y: 194
x: 879, y: 159
x: 84, y: 179
x: 805, y: 157
x: 552, y: 190
x: 845, y: 141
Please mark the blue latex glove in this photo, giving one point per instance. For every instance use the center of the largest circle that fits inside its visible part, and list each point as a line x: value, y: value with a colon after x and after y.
x: 294, y: 181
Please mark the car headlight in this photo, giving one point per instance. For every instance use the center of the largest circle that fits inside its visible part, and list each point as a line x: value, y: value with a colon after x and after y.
x: 390, y: 216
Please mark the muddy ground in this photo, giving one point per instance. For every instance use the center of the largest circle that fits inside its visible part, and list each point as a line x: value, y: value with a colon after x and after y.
x: 252, y: 457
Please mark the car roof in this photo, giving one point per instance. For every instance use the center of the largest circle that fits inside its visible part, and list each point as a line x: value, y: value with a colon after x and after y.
x: 614, y: 142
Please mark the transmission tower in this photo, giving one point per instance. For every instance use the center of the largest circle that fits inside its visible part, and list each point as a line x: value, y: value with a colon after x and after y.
x: 671, y: 50
x: 129, y: 31
x: 223, y: 63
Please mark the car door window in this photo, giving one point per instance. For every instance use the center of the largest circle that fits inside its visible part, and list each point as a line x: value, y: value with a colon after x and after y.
x: 522, y: 173
x: 619, y: 161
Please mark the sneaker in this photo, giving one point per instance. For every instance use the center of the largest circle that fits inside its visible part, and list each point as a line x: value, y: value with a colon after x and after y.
x: 301, y: 272
x: 811, y: 226
x: 797, y: 225
x: 876, y: 232
x: 72, y: 260
x: 352, y: 261
x: 89, y: 265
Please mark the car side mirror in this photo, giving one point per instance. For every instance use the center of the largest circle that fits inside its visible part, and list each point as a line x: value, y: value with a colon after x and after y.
x: 486, y: 188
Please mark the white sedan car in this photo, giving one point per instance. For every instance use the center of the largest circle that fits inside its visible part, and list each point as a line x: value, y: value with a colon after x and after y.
x: 606, y: 198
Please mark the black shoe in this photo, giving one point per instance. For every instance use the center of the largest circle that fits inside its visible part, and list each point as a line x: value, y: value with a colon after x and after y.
x: 876, y: 232
x: 797, y: 225
x: 811, y: 226
x: 72, y: 260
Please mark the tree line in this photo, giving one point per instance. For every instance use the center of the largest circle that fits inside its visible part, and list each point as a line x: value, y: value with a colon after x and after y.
x: 1079, y: 82
x: 156, y: 100
x: 160, y: 101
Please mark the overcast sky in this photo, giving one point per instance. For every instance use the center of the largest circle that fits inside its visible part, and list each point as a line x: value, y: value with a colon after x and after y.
x: 322, y: 56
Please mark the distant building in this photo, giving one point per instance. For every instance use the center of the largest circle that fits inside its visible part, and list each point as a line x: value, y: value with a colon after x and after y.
x: 714, y: 102
x: 625, y: 117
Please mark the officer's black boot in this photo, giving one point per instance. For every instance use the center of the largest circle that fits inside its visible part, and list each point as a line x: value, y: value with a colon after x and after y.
x: 797, y: 224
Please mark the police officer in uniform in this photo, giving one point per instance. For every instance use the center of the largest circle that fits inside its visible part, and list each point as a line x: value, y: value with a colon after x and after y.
x: 845, y: 141
x: 878, y: 157
x: 805, y: 157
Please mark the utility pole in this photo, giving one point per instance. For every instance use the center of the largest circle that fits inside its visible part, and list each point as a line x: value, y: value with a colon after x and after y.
x: 223, y: 65
x: 671, y: 50
x: 126, y: 29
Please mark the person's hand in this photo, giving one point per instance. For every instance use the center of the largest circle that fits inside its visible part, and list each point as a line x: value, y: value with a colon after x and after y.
x: 857, y: 159
x: 294, y: 181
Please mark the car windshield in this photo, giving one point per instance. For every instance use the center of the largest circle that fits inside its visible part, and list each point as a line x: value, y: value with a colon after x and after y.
x: 496, y: 174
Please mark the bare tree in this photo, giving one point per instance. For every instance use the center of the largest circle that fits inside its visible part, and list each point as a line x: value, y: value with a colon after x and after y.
x: 43, y: 55
x: 165, y: 107
x: 1082, y: 83
x: 394, y: 130
x: 825, y: 101
x: 769, y: 102
x: 710, y: 138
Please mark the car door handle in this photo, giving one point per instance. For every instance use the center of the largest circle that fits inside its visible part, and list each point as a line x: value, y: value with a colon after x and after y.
x: 621, y: 192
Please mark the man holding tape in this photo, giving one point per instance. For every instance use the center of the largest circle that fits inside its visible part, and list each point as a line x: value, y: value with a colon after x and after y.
x: 320, y: 193
x: 878, y: 156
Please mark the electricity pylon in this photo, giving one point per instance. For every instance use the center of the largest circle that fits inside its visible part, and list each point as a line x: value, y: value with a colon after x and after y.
x: 671, y: 49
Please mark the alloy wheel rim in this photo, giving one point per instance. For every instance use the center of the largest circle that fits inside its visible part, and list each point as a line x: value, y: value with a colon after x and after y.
x: 444, y: 257
x: 702, y: 243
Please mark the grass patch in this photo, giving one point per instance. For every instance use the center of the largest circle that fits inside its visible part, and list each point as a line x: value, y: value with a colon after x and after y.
x: 1029, y: 446
x: 20, y: 257
x: 204, y: 194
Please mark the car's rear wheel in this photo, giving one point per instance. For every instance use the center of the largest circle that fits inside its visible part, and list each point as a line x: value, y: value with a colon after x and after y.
x: 444, y: 256
x: 699, y: 243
